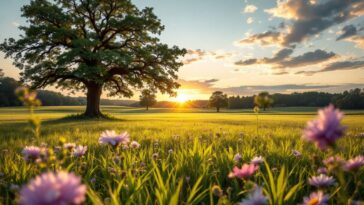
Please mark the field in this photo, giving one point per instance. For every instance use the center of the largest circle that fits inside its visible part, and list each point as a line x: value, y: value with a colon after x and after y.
x: 183, y: 155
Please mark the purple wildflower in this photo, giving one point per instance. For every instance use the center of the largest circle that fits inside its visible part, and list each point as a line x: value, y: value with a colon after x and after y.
x: 333, y: 160
x: 237, y: 157
x: 50, y: 188
x: 321, y: 181
x: 255, y: 198
x: 326, y: 128
x: 32, y: 153
x: 257, y: 160
x: 111, y: 138
x: 354, y: 164
x: 79, y: 151
x: 322, y: 170
x: 134, y: 145
x: 316, y: 198
x: 296, y: 153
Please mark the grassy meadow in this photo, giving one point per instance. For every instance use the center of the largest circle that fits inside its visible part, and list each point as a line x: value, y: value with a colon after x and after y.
x: 184, y: 153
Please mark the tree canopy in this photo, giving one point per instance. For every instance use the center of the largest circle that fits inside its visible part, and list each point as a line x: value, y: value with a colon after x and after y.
x: 147, y: 98
x: 218, y: 100
x: 263, y: 100
x: 93, y: 45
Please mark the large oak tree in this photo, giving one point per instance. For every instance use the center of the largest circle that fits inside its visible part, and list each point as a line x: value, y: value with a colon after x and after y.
x: 93, y: 45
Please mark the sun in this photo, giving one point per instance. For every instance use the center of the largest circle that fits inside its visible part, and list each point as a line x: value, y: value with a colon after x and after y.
x: 181, y: 98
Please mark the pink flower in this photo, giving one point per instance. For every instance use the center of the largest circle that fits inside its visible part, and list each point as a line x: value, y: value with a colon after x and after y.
x: 237, y: 157
x: 326, y: 128
x: 50, y: 188
x: 246, y: 171
x: 111, y: 138
x: 296, y: 153
x: 322, y: 170
x: 134, y: 145
x: 354, y: 164
x: 321, y: 181
x: 333, y: 160
x: 255, y: 198
x: 69, y: 146
x: 316, y: 198
x: 79, y: 151
x: 32, y: 153
x: 257, y: 160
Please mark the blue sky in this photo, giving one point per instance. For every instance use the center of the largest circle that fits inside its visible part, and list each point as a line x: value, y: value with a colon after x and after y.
x: 243, y: 47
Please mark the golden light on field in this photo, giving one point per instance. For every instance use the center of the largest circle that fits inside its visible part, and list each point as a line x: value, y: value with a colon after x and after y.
x: 181, y: 98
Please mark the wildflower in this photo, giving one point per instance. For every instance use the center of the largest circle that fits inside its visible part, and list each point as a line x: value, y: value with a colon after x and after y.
x: 27, y: 96
x: 155, y: 156
x: 31, y: 153
x: 296, y: 153
x: 111, y: 138
x: 237, y: 157
x: 255, y: 198
x: 188, y: 178
x: 333, y: 160
x: 322, y: 170
x: 134, y: 145
x: 325, y: 129
x: 79, y: 151
x: 170, y: 151
x: 69, y: 146
x: 50, y: 188
x: 321, y: 181
x: 316, y: 198
x: 93, y: 180
x: 217, y: 191
x: 354, y: 164
x: 125, y: 147
x: 246, y: 171
x: 257, y: 160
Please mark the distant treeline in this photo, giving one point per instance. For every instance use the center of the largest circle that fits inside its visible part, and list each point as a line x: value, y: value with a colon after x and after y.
x: 48, y: 98
x: 353, y: 99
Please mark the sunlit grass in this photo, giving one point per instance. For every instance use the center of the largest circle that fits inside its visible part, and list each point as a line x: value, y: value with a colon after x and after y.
x: 203, y: 145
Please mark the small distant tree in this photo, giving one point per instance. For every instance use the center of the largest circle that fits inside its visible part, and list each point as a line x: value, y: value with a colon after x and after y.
x: 147, y: 98
x: 218, y: 100
x: 263, y: 100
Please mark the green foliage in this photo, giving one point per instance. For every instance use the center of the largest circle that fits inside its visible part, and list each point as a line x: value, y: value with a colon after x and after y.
x: 218, y: 100
x: 147, y: 98
x: 263, y: 100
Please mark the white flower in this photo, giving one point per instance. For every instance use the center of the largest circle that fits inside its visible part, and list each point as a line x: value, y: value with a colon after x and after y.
x: 79, y: 151
x: 257, y: 160
x: 255, y: 198
x: 111, y: 138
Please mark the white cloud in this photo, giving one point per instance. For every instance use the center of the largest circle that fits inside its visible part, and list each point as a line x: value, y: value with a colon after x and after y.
x: 16, y: 24
x: 250, y: 20
x: 250, y: 8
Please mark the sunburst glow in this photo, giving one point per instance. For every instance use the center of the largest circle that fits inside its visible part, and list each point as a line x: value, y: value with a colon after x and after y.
x: 181, y: 98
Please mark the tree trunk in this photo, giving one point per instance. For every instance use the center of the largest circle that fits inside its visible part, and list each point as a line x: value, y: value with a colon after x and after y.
x: 93, y: 100
x: 147, y: 107
x: 217, y: 109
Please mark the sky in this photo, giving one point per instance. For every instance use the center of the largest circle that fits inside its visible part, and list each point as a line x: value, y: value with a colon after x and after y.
x: 243, y: 47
